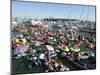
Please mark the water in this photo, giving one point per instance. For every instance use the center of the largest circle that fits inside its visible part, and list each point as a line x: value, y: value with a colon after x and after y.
x: 19, y: 67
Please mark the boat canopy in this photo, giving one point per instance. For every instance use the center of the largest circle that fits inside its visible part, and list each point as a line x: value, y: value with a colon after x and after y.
x: 49, y: 47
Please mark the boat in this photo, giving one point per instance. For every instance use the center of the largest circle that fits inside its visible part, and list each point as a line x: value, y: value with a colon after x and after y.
x: 51, y: 52
x: 77, y: 49
x: 85, y: 54
x: 86, y: 60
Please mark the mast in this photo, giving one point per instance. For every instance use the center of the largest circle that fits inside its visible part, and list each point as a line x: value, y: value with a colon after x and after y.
x: 81, y: 14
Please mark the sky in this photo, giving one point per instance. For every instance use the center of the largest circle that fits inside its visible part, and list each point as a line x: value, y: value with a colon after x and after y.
x: 25, y: 9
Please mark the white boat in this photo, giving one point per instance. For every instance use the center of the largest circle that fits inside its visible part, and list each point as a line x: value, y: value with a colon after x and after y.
x: 85, y: 54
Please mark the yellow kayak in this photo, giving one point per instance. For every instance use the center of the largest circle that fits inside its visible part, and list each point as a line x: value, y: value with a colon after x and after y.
x: 71, y: 39
x: 66, y: 49
x: 50, y: 42
x: 18, y: 41
x: 75, y: 49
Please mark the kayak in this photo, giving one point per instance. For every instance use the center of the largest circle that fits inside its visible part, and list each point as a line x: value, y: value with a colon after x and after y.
x: 75, y: 49
x: 71, y: 39
x: 66, y: 49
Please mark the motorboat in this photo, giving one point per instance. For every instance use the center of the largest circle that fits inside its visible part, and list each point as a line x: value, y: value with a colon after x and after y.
x: 85, y: 54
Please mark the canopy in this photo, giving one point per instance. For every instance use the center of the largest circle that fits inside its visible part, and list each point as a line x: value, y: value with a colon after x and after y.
x: 49, y: 47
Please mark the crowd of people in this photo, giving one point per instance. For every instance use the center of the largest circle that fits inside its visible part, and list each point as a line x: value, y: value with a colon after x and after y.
x: 43, y: 47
